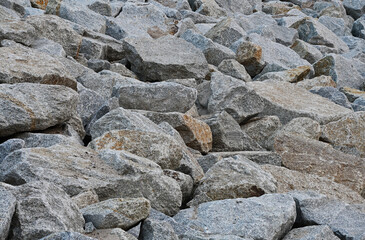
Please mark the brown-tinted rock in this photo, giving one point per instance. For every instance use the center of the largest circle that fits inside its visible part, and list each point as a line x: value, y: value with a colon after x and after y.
x: 321, y: 81
x: 292, y: 75
x: 250, y: 56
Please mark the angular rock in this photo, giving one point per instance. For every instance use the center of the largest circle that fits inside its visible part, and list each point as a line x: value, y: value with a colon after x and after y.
x: 195, y: 133
x: 332, y: 94
x: 117, y: 212
x: 277, y: 8
x: 36, y: 201
x: 289, y: 180
x: 359, y: 104
x: 322, y: 232
x: 234, y: 177
x: 17, y: 30
x: 158, y: 147
x: 98, y: 65
x: 233, y: 96
x: 234, y: 69
x: 352, y: 94
x: 349, y: 131
x: 292, y: 75
x: 250, y: 56
x: 306, y: 51
x: 7, y: 206
x: 355, y: 8
x: 267, y: 217
x: 50, y: 47
x: 86, y: 198
x: 278, y: 98
x: 141, y: 53
x: 159, y: 97
x: 32, y: 140
x: 122, y: 70
x: 152, y: 229
x: 185, y: 182
x: 67, y: 236
x: 342, y: 70
x: 321, y: 81
x: 49, y: 105
x: 358, y: 29
x: 276, y: 33
x: 315, y: 157
x: 255, y: 21
x: 210, y: 8
x: 336, y: 25
x: 227, y: 135
x: 112, y: 234
x: 10, y: 146
x: 23, y: 64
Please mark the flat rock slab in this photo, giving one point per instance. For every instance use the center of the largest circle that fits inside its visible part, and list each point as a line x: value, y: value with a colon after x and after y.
x: 30, y: 107
x: 165, y: 58
x: 117, y: 212
x: 20, y: 64
x: 349, y: 131
x: 288, y: 101
x: 7, y: 209
x: 315, y: 157
x: 267, y: 217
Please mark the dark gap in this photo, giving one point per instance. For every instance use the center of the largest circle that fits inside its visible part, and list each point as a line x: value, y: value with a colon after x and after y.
x: 87, y: 139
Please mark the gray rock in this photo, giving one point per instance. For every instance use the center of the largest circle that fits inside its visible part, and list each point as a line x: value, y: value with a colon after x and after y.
x: 122, y: 70
x: 117, y: 212
x: 268, y: 217
x: 321, y: 81
x: 32, y: 140
x: 343, y: 71
x: 159, y: 97
x: 67, y: 236
x: 255, y: 21
x: 227, y: 134
x: 234, y: 69
x: 355, y: 8
x: 152, y: 229
x: 332, y: 94
x: 16, y: 30
x: 50, y: 105
x: 141, y: 53
x: 261, y: 129
x: 226, y: 32
x: 63, y: 216
x: 322, y: 232
x: 336, y: 25
x: 98, y: 65
x: 122, y: 119
x: 233, y: 96
x: 28, y: 65
x: 250, y: 56
x: 112, y: 234
x: 331, y: 9
x: 278, y: 98
x: 57, y: 30
x: 10, y: 146
x: 358, y: 29
x: 292, y: 75
x: 359, y: 104
x: 7, y: 206
x: 185, y: 181
x: 245, y: 7
x: 213, y: 52
x: 234, y: 177
x: 7, y: 13
x: 50, y: 47
x: 101, y: 6
x: 84, y: 199
x: 306, y: 51
x: 301, y: 126
x: 89, y: 227
x: 259, y: 157
x: 280, y: 34
x: 345, y: 220
x: 16, y: 5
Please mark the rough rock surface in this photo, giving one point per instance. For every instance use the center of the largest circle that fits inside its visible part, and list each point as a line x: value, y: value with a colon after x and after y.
x: 7, y: 205
x: 322, y: 232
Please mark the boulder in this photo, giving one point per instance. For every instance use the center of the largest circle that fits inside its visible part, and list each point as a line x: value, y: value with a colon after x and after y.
x: 33, y: 140
x: 358, y: 29
x: 152, y: 229
x: 332, y: 94
x: 234, y: 69
x: 16, y: 30
x: 348, y: 132
x: 267, y: 217
x: 50, y: 47
x: 292, y: 75
x: 359, y: 104
x: 117, y: 212
x: 337, y: 25
x: 30, y: 107
x: 86, y: 198
x: 321, y: 81
x: 67, y: 236
x: 112, y: 234
x: 234, y: 177
x: 250, y: 56
x: 142, y: 52
x: 278, y: 99
x: 355, y: 8
x: 7, y: 205
x: 23, y: 64
x: 10, y: 146
x: 306, y: 51
x: 321, y: 232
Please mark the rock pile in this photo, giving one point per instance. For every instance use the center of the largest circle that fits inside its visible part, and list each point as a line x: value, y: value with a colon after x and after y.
x: 182, y: 119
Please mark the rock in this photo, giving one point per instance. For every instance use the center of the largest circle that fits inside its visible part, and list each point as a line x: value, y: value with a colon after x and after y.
x: 63, y: 216
x: 57, y: 30
x: 244, y: 7
x: 358, y: 29
x: 159, y: 147
x: 32, y: 140
x: 112, y: 234
x: 313, y: 32
x: 195, y: 133
x: 226, y: 32
x: 228, y: 94
x: 50, y: 105
x: 255, y: 21
x: 17, y: 5
x: 278, y: 8
x: 10, y: 146
x: 98, y: 65
x: 17, y: 30
x: 355, y: 8
x: 210, y: 8
x: 348, y: 131
x: 227, y: 134
x: 321, y: 81
x: 306, y: 51
x: 276, y: 33
x: 315, y: 157
x: 288, y: 180
x: 213, y: 52
x: 122, y: 70
x: 234, y: 69
x: 117, y: 212
x: 332, y: 94
x: 250, y: 56
x: 86, y: 198
x: 7, y: 206
x: 346, y: 221
x: 261, y: 129
x: 141, y: 53
x: 278, y: 98
x: 342, y: 70
x: 158, y: 97
x: 322, y: 232
x: 185, y: 182
x: 351, y: 93
x: 123, y: 119
x: 336, y: 25
x: 234, y: 177
x: 292, y: 75
x: 50, y: 47
x: 153, y: 230
x: 267, y: 217
x: 67, y: 236
x: 27, y: 65
x: 259, y: 157
x: 359, y: 104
